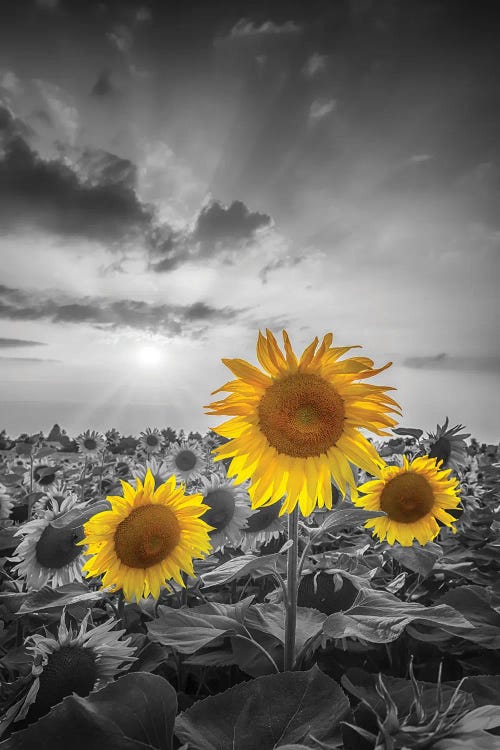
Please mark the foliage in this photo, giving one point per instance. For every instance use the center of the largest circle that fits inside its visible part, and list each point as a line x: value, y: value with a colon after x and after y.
x: 395, y: 646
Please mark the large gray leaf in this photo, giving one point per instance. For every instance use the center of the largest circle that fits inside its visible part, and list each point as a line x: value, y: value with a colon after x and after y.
x: 266, y: 713
x: 48, y: 598
x: 188, y: 630
x: 136, y: 712
x: 244, y: 565
x: 379, y: 617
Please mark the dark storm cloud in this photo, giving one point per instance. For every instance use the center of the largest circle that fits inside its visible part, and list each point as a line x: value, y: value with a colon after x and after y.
x: 217, y: 230
x: 14, y: 343
x: 52, y: 196
x: 16, y: 304
x: 95, y: 198
x: 454, y: 362
x: 215, y: 223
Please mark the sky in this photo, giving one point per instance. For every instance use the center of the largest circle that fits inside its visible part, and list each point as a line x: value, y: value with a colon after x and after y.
x: 175, y: 177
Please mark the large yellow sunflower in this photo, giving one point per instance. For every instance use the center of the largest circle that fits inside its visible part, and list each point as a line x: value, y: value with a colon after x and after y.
x: 147, y: 537
x: 297, y: 424
x: 414, y: 497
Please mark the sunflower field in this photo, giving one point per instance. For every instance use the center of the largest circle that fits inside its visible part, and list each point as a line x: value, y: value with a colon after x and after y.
x: 283, y: 581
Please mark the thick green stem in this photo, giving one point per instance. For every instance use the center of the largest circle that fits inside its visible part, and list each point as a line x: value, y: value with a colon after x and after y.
x: 291, y: 582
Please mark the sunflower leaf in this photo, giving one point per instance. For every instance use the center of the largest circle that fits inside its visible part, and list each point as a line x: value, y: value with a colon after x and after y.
x: 78, y: 515
x: 477, y: 605
x: 477, y: 740
x: 294, y: 708
x: 7, y: 539
x: 484, y: 688
x: 43, y: 452
x: 379, y: 617
x: 47, y: 598
x: 413, y: 431
x: 10, y: 479
x: 242, y: 566
x: 340, y: 518
x: 189, y: 630
x: 484, y: 717
x: 419, y: 560
x: 136, y: 712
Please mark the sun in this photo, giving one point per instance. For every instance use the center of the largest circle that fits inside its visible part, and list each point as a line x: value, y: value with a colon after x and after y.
x: 149, y: 355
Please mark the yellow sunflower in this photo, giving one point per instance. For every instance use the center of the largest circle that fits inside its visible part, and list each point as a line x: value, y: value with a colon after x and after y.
x: 147, y: 538
x: 297, y: 424
x: 415, y: 497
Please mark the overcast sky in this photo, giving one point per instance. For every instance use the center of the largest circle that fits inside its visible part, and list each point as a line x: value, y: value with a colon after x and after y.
x: 172, y: 180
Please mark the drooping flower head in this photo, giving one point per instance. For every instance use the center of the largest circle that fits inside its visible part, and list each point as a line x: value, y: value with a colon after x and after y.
x: 415, y: 497
x: 447, y: 447
x: 297, y: 425
x: 74, y: 662
x: 262, y: 526
x: 45, y: 475
x: 91, y: 443
x: 48, y: 552
x: 229, y: 508
x: 150, y: 441
x: 186, y: 460
x: 147, y: 537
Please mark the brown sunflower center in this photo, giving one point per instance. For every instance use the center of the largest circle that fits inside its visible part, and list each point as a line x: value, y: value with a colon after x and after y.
x: 152, y: 440
x: 70, y: 669
x: 185, y: 460
x: 147, y: 536
x: 301, y: 415
x: 222, y: 507
x: 44, y: 475
x: 441, y: 450
x: 90, y: 444
x: 407, y: 497
x: 262, y: 518
x: 56, y: 547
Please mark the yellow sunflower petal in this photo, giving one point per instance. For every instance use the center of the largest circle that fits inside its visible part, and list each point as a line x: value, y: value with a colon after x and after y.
x: 131, y: 544
x: 298, y: 427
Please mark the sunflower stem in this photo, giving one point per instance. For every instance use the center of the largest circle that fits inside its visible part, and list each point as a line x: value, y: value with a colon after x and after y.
x: 291, y: 580
x: 83, y: 477
x: 30, y: 499
x: 102, y: 470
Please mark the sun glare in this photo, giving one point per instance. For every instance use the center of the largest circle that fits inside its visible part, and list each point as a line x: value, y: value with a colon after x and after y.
x: 149, y: 355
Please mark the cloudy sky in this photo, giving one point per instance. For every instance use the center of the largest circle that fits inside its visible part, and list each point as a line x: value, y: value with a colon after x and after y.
x: 174, y: 177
